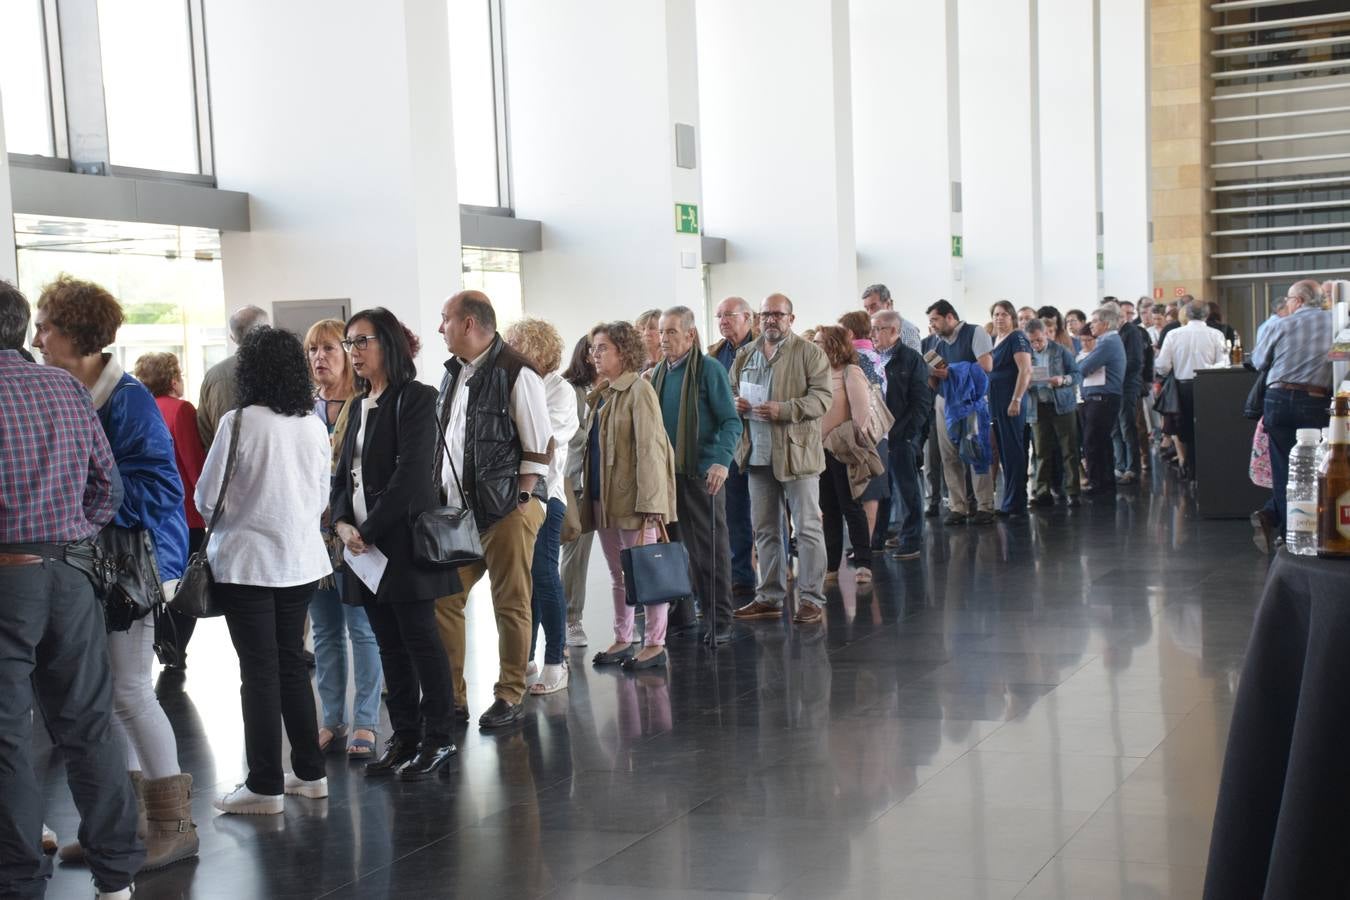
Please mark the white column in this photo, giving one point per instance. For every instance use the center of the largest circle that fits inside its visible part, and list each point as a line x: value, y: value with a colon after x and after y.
x: 1124, y: 110
x: 1000, y: 153
x: 1068, y: 117
x: 350, y: 167
x: 9, y: 264
x: 595, y: 92
x: 777, y: 142
x: 904, y: 157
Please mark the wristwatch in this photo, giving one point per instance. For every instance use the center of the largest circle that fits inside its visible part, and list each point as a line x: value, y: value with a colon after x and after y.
x: 523, y: 497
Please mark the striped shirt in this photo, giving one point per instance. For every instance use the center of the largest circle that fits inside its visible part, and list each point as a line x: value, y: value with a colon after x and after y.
x: 1296, y: 347
x: 909, y: 335
x: 58, y: 481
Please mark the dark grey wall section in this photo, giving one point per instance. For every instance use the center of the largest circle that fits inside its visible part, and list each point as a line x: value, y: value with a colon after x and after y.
x: 714, y: 250
x: 52, y: 193
x: 497, y: 232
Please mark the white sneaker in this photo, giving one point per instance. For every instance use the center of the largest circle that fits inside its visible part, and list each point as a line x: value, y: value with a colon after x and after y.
x: 531, y: 671
x: 50, y: 843
x: 125, y: 893
x: 576, y: 635
x: 243, y: 802
x: 299, y: 787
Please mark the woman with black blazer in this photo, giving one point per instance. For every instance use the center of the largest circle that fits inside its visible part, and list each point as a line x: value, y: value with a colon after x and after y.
x: 384, y: 480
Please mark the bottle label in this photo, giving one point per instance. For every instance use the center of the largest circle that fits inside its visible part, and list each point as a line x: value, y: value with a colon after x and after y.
x: 1343, y: 515
x: 1301, y: 516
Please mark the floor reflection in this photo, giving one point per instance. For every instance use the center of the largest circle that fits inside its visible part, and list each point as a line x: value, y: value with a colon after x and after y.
x: 1037, y: 709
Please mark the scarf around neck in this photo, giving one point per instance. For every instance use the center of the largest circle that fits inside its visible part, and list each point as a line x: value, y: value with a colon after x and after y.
x: 686, y: 432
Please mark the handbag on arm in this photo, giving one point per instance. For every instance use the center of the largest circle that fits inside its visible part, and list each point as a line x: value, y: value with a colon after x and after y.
x: 444, y: 537
x: 194, y: 595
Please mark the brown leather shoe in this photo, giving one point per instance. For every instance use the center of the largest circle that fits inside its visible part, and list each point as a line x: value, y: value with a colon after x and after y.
x: 808, y: 614
x: 758, y: 609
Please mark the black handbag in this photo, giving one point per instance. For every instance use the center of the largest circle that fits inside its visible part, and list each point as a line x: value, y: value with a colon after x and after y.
x: 444, y: 537
x: 131, y: 584
x: 1255, y: 407
x: 1168, y: 401
x: 194, y: 595
x: 655, y: 573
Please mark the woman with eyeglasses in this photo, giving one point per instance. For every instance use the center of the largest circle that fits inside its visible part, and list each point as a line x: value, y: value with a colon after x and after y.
x: 333, y: 620
x: 385, y: 479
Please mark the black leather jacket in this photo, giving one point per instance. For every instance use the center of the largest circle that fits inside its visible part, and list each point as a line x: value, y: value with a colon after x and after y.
x: 492, y: 451
x: 908, y: 395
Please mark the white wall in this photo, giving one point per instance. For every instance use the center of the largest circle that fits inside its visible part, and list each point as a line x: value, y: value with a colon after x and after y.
x: 901, y: 150
x: 336, y: 118
x: 1068, y: 117
x: 1125, y: 147
x: 999, y: 154
x: 777, y: 135
x: 594, y: 91
x: 9, y: 264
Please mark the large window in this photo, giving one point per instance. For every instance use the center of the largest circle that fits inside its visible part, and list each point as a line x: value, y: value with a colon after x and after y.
x: 23, y: 78
x: 497, y: 274
x: 147, y: 84
x: 168, y: 280
x: 475, y: 101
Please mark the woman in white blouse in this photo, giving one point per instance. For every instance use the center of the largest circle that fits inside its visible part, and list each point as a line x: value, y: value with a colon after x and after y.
x: 267, y: 557
x: 540, y: 343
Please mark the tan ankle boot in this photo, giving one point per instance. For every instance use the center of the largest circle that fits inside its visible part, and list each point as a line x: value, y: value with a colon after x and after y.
x: 74, y: 853
x: 170, y: 834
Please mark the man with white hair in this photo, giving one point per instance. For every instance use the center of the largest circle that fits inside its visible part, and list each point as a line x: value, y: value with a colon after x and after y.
x: 1101, y: 402
x: 219, y: 386
x: 1191, y: 347
x: 735, y: 322
x: 1298, y: 385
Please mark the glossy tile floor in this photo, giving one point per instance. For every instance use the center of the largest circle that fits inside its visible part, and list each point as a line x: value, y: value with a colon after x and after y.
x: 1036, y: 710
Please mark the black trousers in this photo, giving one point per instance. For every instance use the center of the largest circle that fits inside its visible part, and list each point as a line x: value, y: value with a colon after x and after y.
x: 1099, y: 414
x: 267, y: 628
x: 932, y: 457
x: 416, y: 669
x: 54, y: 655
x: 698, y: 512
x: 173, y: 629
x: 838, y: 507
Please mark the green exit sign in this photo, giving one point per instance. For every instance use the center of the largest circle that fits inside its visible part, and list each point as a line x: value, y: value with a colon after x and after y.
x: 956, y: 245
x: 686, y: 218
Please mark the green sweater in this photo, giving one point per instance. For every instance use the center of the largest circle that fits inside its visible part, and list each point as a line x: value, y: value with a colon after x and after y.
x: 719, y: 427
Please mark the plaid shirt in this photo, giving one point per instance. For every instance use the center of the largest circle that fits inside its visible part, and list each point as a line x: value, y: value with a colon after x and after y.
x: 1296, y: 348
x: 58, y: 481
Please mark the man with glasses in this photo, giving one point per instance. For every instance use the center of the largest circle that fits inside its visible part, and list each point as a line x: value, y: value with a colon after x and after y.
x: 1298, y: 386
x: 910, y: 401
x: 782, y: 386
x: 734, y: 322
x: 875, y: 298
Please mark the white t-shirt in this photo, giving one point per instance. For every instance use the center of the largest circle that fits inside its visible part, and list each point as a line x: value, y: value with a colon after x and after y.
x: 268, y: 533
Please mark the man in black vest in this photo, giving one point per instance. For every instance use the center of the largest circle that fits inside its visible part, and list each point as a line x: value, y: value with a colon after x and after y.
x: 494, y: 414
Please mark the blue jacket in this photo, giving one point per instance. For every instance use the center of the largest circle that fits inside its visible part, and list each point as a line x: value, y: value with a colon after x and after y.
x: 153, y: 496
x: 1109, y: 354
x: 967, y: 410
x: 1058, y: 360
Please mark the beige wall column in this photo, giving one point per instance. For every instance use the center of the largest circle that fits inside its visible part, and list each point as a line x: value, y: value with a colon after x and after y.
x: 1179, y: 137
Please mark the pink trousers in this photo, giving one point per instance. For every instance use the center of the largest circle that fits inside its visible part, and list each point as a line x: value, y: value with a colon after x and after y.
x: 613, y: 540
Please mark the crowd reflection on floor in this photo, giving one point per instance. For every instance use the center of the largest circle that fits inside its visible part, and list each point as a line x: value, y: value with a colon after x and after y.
x: 1037, y: 709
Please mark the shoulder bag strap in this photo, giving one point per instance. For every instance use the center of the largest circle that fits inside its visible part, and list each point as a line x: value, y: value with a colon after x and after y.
x: 225, y: 480
x: 398, y: 417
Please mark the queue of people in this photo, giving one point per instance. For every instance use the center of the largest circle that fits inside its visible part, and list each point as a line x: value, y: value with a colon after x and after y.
x: 760, y: 452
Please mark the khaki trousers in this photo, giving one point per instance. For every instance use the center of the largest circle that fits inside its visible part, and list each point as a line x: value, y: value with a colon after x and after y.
x: 508, y: 550
x: 954, y: 471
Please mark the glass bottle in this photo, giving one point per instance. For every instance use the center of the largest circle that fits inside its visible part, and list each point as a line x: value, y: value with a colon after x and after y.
x: 1333, y: 486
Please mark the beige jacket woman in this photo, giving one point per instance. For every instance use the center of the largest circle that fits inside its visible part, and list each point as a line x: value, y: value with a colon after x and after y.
x: 637, y: 465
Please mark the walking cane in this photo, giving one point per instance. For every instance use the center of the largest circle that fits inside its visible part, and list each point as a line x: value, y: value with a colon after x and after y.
x: 712, y: 582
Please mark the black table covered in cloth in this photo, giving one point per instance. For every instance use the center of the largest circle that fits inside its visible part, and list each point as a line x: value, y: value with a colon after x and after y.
x: 1282, y: 827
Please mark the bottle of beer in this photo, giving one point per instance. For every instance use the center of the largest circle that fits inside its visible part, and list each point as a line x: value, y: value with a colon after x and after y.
x: 1333, y: 486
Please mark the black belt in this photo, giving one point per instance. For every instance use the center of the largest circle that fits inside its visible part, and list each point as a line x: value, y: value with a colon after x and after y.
x: 82, y: 555
x: 45, y: 550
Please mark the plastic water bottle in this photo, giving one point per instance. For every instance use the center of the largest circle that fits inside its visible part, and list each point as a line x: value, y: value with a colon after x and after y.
x: 1300, y: 524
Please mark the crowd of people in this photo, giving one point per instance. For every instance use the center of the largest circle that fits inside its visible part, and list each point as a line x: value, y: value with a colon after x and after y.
x: 760, y: 453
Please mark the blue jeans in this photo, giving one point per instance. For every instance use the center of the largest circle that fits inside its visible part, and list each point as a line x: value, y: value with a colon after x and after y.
x: 333, y: 621
x: 1125, y: 431
x: 548, y: 602
x: 1285, y: 413
x: 740, y: 529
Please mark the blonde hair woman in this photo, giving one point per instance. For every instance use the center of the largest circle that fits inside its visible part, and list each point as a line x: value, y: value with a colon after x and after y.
x: 333, y: 621
x: 540, y: 343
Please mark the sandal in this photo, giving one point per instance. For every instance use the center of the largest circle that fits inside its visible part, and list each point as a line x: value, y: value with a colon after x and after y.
x: 362, y: 748
x: 335, y: 740
x: 547, y: 685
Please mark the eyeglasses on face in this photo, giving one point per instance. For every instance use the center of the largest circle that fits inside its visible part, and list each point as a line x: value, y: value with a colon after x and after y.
x: 773, y: 315
x: 360, y: 342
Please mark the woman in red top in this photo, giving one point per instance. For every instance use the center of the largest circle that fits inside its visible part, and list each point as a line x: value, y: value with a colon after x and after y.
x: 161, y: 375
